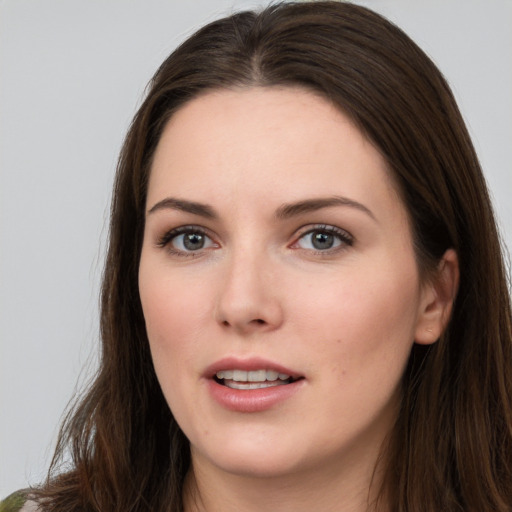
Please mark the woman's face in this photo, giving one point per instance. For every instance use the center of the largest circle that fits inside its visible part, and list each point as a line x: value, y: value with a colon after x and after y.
x: 278, y: 282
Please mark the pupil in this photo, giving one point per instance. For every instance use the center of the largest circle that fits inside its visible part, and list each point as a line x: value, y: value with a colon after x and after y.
x: 193, y: 241
x: 322, y: 240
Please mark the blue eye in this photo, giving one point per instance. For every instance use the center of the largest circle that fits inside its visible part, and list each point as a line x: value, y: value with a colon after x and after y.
x: 324, y: 238
x: 192, y: 241
x: 186, y: 240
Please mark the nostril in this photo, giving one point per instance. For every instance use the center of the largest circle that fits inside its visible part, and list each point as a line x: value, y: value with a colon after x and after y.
x: 260, y: 321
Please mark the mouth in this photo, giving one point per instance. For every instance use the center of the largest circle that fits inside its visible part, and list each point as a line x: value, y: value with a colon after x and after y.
x: 253, y: 379
x: 251, y: 385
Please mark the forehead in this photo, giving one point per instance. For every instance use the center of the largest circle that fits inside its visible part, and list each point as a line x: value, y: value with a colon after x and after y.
x: 280, y: 143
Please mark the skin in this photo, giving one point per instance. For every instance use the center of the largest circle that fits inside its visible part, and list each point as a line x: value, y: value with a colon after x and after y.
x: 343, y: 318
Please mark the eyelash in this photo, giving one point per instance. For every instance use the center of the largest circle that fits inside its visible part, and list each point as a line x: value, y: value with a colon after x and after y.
x: 344, y: 239
x: 166, y: 240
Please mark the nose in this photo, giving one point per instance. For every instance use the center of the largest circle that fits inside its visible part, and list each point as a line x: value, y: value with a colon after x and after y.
x: 248, y: 299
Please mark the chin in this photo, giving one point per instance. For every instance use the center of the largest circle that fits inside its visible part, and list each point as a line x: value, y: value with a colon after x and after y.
x: 251, y: 459
x: 262, y: 469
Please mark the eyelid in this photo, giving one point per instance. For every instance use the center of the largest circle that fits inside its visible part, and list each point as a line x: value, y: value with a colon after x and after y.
x: 345, y: 237
x: 164, y: 241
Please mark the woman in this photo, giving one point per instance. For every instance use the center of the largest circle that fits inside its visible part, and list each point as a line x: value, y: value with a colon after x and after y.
x: 294, y: 312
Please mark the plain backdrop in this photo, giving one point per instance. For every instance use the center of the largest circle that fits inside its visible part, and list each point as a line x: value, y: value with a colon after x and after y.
x: 72, y: 73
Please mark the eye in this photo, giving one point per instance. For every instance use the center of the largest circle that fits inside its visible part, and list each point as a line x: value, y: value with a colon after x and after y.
x: 191, y: 241
x: 324, y: 238
x: 186, y: 239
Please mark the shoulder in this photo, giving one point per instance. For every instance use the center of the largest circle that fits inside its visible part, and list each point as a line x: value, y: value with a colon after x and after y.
x: 19, y: 501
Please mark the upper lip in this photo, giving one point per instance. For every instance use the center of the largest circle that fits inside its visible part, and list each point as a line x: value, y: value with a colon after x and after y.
x: 249, y: 364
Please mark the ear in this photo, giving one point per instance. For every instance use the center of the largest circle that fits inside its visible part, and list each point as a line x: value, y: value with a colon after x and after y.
x: 438, y: 296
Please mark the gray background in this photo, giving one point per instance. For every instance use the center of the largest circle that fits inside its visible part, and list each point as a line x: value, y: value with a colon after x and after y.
x: 72, y: 73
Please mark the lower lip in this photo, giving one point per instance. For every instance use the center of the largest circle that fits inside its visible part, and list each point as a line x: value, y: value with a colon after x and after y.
x: 252, y: 400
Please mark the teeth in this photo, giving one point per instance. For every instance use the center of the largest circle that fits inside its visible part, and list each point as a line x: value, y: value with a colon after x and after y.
x: 240, y: 375
x: 233, y: 384
x: 258, y: 376
x: 272, y: 375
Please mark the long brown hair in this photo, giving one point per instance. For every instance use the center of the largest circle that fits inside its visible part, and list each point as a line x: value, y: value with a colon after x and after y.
x: 451, y: 448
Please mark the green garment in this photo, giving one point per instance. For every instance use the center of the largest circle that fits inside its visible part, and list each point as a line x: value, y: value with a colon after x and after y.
x: 14, y: 502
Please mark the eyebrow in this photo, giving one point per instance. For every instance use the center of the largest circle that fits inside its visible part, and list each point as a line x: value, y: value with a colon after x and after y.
x: 203, y: 210
x: 286, y: 211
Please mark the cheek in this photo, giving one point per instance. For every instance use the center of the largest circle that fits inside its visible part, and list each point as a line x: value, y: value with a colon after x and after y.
x: 172, y: 316
x: 363, y: 317
x: 174, y: 308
